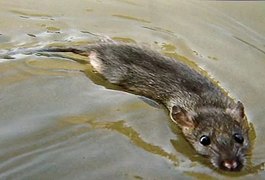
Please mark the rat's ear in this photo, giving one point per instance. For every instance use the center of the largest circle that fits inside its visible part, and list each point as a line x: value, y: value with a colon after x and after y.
x: 183, y: 118
x: 237, y: 111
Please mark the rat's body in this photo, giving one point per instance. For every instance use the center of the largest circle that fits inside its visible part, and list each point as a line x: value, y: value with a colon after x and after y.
x: 210, y: 120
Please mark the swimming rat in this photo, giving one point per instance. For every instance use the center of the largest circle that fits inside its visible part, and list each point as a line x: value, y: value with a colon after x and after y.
x: 212, y: 122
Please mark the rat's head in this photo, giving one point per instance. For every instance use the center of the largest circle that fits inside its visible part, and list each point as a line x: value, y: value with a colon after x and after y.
x: 219, y: 134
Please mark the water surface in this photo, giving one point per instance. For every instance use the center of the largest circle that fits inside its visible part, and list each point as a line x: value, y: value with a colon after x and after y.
x: 58, y: 122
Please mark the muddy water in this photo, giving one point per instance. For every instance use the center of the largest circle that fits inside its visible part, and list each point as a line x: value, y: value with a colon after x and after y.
x: 58, y: 121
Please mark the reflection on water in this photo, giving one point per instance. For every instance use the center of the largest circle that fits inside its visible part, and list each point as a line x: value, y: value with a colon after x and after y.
x: 120, y: 127
x: 60, y: 120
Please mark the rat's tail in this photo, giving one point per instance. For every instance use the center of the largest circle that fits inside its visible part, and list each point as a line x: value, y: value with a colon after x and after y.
x: 14, y: 53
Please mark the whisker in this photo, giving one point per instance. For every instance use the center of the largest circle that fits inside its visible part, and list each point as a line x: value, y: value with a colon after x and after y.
x: 247, y: 168
x: 214, y: 150
x: 237, y: 151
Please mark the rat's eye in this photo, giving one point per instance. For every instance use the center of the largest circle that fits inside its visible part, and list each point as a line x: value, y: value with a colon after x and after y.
x: 205, y: 140
x: 238, y: 138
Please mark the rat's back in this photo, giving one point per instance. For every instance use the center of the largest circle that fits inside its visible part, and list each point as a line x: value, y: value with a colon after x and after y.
x: 147, y: 72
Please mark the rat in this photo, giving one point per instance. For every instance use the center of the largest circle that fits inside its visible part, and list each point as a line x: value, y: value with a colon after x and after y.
x: 212, y: 122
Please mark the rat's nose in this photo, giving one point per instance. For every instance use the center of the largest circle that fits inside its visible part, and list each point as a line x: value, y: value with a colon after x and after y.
x: 231, y: 165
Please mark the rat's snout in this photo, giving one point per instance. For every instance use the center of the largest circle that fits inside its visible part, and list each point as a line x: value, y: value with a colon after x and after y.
x: 231, y: 165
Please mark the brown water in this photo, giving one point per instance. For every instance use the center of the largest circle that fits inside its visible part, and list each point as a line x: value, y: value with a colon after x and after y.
x: 56, y: 123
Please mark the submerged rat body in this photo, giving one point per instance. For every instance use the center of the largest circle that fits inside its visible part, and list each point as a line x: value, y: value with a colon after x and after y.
x: 211, y: 121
